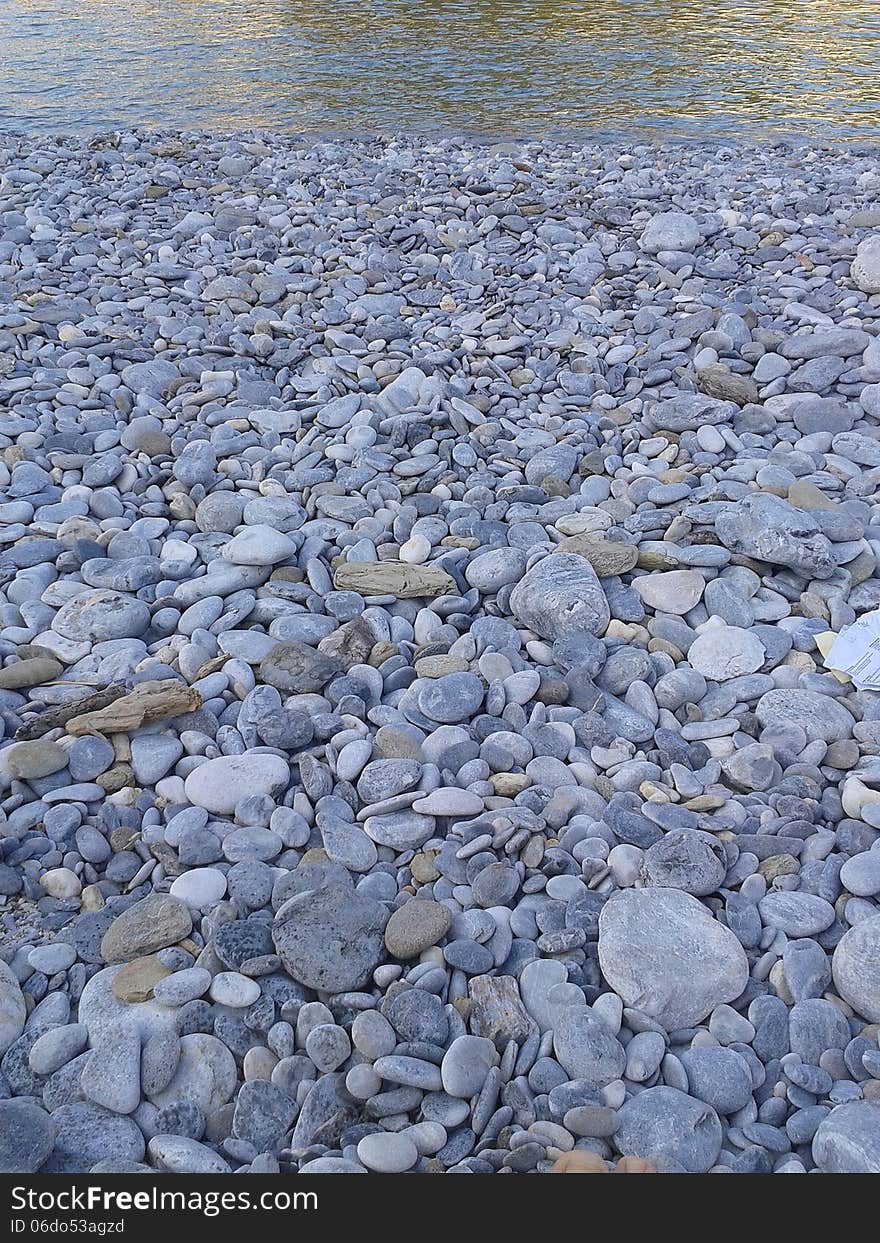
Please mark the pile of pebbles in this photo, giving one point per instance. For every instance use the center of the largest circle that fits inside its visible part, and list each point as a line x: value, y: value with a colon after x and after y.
x: 417, y: 752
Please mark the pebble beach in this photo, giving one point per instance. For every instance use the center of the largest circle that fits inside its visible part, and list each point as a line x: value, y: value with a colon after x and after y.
x: 418, y: 559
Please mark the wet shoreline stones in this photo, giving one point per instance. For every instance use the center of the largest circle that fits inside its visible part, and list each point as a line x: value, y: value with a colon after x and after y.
x: 416, y: 747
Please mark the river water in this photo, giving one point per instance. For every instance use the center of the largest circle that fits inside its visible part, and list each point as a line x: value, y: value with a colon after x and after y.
x: 684, y: 68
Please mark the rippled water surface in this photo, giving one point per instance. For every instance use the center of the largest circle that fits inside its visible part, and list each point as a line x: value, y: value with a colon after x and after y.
x: 744, y: 68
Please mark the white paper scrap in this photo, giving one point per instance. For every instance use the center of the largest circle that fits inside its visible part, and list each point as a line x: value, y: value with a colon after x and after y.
x: 856, y: 651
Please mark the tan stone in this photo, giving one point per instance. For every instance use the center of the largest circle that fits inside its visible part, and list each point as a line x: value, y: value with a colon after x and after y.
x: 439, y: 666
x: 607, y: 557
x: 778, y: 865
x: 136, y: 980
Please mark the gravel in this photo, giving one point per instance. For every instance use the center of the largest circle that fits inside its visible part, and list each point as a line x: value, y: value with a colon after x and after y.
x: 416, y: 747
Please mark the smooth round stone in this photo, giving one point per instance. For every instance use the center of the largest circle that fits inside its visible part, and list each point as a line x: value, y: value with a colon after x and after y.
x: 670, y: 1128
x: 387, y: 1153
x: 28, y: 760
x: 676, y: 591
x: 328, y: 1046
x: 466, y: 1064
x: 719, y: 1077
x: 229, y: 988
x: 61, y: 883
x: 373, y: 1035
x: 796, y: 914
x: 861, y: 874
x: 415, y: 927
x: 663, y: 953
x: 330, y: 938
x: 86, y: 1134
x: 136, y: 980
x: 331, y: 1165
x: 848, y: 1140
x: 489, y: 571
x: 27, y: 1136
x: 586, y: 1048
x: 670, y: 230
x: 724, y: 652
x: 51, y: 959
x: 452, y: 698
x: 182, y: 986
x: 206, y: 1074
x: 219, y: 785
x: 200, y: 888
x: 176, y: 1154
x: 96, y: 616
x: 559, y: 597
x: 449, y: 801
x: 856, y: 968
x: 259, y: 545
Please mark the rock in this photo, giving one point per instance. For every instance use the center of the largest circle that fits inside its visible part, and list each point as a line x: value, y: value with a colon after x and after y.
x: 663, y: 953
x: 27, y: 760
x: 607, y: 557
x: 219, y: 785
x: 263, y: 1115
x: 719, y: 382
x: 724, y: 652
x: 677, y: 591
x: 847, y: 1141
x: 27, y: 673
x: 259, y: 545
x: 856, y: 968
x: 497, y: 1012
x: 86, y: 1134
x: 820, y: 716
x: 13, y: 1011
x: 669, y: 1128
x: 96, y: 616
x: 415, y: 927
x: 586, y: 1048
x: 200, y: 888
x: 330, y: 939
x: 295, y: 668
x: 387, y: 1153
x: 27, y: 1136
x: 865, y: 269
x: 670, y: 230
x: 205, y: 1074
x: 147, y: 926
x: 687, y: 859
x: 559, y: 597
x: 175, y: 1154
x: 137, y: 979
x: 466, y: 1064
x: 112, y: 1075
x: 769, y: 529
x: 718, y: 1077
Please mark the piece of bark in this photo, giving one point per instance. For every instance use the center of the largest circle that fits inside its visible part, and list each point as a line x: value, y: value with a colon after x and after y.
x: 148, y: 702
x: 393, y: 578
x: 36, y: 726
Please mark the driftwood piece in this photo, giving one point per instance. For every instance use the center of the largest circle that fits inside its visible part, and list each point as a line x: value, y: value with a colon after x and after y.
x: 147, y: 702
x: 54, y: 718
x: 393, y: 578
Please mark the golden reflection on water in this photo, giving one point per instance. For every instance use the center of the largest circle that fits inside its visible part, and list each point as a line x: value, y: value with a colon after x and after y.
x: 688, y: 67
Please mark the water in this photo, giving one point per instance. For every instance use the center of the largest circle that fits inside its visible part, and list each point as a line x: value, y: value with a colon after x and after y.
x: 690, y: 68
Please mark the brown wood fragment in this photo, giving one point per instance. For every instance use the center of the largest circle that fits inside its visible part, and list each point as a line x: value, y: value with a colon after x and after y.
x: 147, y: 702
